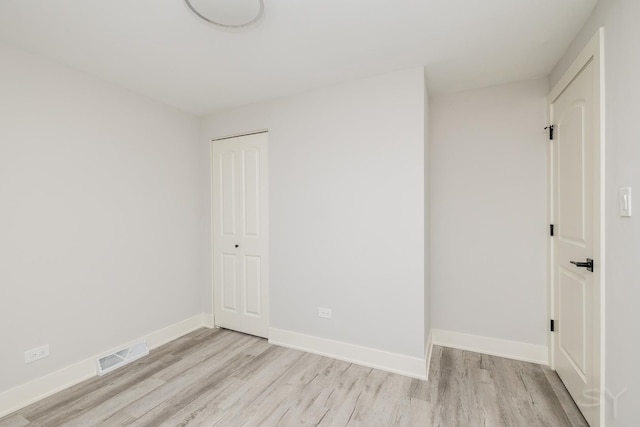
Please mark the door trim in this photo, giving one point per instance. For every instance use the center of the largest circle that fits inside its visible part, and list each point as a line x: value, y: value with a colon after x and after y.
x: 221, y: 138
x: 593, y: 52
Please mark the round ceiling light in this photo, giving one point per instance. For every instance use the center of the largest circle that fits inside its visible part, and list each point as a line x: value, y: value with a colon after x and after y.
x: 228, y: 13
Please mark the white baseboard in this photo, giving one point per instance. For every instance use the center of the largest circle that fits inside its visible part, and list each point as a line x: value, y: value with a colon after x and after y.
x: 428, y: 351
x: 414, y: 367
x: 26, y: 394
x: 172, y: 332
x: 207, y: 321
x: 497, y: 347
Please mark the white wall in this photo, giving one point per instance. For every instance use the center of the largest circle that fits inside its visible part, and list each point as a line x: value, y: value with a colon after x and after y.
x: 622, y: 169
x: 346, y: 208
x: 488, y: 207
x: 100, y: 215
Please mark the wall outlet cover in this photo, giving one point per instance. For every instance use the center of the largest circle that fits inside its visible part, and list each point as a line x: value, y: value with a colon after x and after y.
x: 325, y: 313
x: 36, y: 353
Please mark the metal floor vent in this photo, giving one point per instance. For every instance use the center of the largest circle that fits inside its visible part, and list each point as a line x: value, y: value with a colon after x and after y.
x: 116, y: 360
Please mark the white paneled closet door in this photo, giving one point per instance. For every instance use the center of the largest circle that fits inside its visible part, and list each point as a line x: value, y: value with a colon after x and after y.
x: 241, y: 233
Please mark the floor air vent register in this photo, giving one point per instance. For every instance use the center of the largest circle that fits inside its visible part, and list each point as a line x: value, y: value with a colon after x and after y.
x: 123, y: 357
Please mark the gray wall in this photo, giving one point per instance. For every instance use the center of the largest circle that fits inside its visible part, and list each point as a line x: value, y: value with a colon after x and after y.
x: 99, y: 216
x: 489, y: 209
x: 346, y: 209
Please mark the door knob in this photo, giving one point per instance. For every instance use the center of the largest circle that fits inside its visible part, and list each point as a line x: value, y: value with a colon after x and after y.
x: 588, y: 264
x: 237, y: 246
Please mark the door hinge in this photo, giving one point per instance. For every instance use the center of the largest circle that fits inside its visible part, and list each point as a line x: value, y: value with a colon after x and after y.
x: 552, y: 326
x: 550, y: 127
x: 550, y: 229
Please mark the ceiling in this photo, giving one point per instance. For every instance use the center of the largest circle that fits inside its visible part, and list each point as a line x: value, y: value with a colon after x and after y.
x: 158, y: 48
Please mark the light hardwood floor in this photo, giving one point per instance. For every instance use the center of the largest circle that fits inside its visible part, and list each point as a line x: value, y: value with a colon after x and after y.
x: 223, y: 378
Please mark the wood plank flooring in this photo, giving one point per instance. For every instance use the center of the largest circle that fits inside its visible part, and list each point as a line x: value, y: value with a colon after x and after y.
x: 223, y: 378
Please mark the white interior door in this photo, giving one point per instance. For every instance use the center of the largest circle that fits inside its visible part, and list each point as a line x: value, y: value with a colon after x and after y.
x: 576, y: 215
x: 241, y: 233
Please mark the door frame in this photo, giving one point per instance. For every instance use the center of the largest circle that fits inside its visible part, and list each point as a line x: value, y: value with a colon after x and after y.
x: 593, y: 52
x: 212, y: 141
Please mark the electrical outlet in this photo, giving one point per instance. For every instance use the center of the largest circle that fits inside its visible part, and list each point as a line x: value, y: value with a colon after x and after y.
x: 36, y: 354
x: 325, y: 313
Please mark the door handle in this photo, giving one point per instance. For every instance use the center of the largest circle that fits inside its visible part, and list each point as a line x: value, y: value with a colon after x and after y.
x: 588, y: 264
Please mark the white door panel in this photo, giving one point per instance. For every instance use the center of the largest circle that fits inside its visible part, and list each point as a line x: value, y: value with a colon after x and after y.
x: 229, y: 276
x: 227, y: 171
x: 240, y: 234
x: 571, y: 337
x: 253, y: 286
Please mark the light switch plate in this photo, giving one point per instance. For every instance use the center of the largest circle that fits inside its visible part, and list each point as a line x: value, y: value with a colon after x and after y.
x: 625, y: 201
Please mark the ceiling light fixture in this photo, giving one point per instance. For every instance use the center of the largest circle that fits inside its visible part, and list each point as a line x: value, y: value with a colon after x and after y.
x: 228, y: 13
